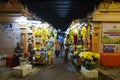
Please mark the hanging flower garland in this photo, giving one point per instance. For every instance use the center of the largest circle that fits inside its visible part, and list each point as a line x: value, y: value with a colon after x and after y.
x: 83, y: 32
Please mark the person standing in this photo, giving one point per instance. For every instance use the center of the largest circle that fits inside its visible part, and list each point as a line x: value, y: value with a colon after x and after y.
x: 57, y: 47
x: 67, y: 45
x: 50, y: 47
x: 61, y: 38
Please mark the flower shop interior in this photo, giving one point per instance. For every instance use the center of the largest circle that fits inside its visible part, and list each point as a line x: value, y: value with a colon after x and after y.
x: 89, y: 45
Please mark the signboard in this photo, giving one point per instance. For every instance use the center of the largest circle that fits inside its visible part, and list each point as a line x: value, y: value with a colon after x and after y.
x: 111, y: 48
x: 111, y: 37
x: 111, y: 33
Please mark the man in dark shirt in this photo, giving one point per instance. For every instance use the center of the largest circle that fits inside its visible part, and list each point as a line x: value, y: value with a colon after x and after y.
x: 17, y: 53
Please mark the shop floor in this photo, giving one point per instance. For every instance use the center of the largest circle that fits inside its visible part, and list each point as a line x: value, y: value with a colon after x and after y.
x: 61, y: 71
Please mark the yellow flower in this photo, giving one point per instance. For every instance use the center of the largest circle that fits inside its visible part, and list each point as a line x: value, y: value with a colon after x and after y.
x: 75, y: 52
x: 90, y: 56
x: 37, y: 56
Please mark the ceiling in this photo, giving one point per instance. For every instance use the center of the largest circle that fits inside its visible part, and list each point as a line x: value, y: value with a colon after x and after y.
x: 60, y: 13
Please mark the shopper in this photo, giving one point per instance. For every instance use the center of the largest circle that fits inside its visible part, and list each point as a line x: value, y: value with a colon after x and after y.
x: 57, y: 47
x: 17, y: 53
x: 67, y: 47
x: 61, y: 38
x: 50, y: 47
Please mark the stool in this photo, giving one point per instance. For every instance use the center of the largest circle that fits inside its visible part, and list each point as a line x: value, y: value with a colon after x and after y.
x: 9, y: 61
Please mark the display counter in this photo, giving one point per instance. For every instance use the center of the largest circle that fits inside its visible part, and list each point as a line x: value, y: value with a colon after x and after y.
x: 110, y: 59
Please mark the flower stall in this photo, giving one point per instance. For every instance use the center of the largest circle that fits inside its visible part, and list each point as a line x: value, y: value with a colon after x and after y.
x: 80, y: 39
x: 41, y: 34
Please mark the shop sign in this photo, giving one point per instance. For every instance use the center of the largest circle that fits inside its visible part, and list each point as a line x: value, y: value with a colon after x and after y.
x: 111, y: 48
x: 111, y: 33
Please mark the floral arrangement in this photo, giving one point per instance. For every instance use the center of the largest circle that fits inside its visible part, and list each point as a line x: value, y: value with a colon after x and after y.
x: 79, y: 47
x: 91, y: 56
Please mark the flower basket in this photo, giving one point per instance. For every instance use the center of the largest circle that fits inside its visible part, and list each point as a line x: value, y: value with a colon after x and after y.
x: 90, y: 65
x: 89, y: 59
x: 83, y: 63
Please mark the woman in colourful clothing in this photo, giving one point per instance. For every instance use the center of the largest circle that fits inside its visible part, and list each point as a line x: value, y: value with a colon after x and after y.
x: 57, y: 47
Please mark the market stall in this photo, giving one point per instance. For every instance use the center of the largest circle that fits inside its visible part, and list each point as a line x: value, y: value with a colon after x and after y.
x: 17, y: 26
x: 80, y: 51
x: 10, y: 30
x: 41, y: 37
x: 80, y: 37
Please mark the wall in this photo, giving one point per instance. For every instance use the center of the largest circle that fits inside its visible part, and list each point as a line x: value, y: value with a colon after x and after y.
x: 106, y: 13
x: 9, y: 36
x: 96, y: 37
